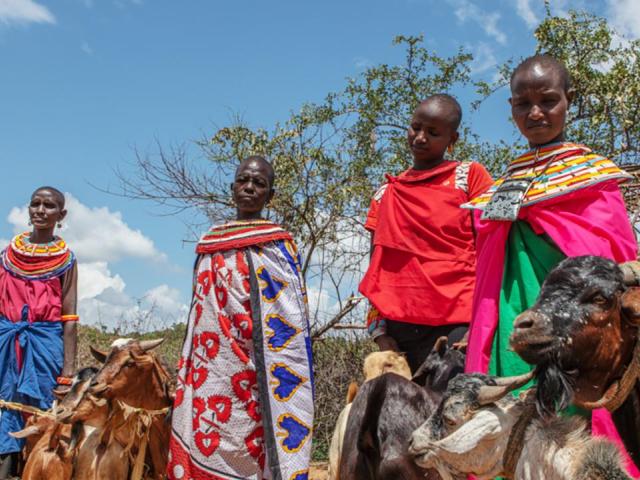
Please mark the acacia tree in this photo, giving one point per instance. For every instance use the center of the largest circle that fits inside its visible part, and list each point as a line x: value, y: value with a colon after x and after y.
x: 329, y: 158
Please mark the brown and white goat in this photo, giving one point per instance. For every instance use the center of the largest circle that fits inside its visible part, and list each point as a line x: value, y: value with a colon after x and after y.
x: 582, y: 334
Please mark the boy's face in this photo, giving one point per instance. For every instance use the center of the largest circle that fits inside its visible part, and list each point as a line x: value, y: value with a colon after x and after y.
x: 431, y: 132
x: 539, y: 104
x: 251, y: 188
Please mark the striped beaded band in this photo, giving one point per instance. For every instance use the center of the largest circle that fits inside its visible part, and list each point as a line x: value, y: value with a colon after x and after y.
x: 240, y: 234
x: 556, y: 170
x: 70, y: 318
x: 22, y: 244
x: 36, y: 261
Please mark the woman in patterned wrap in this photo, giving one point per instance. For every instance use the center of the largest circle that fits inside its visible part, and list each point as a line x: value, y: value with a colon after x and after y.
x: 244, y: 401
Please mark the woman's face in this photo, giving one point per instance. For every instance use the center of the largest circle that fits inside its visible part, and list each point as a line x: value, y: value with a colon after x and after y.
x: 251, y: 189
x: 430, y: 132
x: 539, y: 104
x: 45, y: 210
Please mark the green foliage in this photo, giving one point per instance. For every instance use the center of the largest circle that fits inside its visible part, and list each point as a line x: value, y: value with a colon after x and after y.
x: 330, y: 157
x: 606, y: 78
x: 169, y: 350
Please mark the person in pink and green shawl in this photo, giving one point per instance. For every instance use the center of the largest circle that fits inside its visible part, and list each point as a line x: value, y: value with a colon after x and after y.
x: 557, y: 200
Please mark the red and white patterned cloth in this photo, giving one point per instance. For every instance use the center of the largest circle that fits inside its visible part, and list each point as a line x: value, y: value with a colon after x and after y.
x: 219, y: 430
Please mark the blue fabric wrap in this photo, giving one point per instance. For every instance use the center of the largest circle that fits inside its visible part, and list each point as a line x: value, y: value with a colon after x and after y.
x: 42, y: 358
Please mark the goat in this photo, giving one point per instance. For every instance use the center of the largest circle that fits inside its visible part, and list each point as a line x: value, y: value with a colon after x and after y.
x: 375, y: 364
x: 96, y: 457
x: 383, y: 415
x: 137, y: 387
x: 49, y: 454
x: 50, y: 445
x: 479, y: 429
x: 581, y: 334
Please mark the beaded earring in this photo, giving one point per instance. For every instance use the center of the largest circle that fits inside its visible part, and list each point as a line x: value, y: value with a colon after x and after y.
x: 59, y: 224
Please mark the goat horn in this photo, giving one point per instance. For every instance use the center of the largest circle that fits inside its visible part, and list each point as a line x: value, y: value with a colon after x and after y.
x: 441, y: 345
x: 26, y: 432
x: 630, y: 273
x: 147, y: 345
x: 516, y: 379
x: 99, y: 355
x: 492, y: 393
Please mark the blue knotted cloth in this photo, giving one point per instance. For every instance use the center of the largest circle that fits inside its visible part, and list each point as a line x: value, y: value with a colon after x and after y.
x: 42, y: 358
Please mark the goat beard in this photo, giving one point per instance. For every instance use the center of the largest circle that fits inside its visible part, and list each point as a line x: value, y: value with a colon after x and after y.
x: 555, y: 388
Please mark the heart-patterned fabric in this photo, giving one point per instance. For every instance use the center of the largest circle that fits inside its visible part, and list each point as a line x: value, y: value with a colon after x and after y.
x: 219, y: 430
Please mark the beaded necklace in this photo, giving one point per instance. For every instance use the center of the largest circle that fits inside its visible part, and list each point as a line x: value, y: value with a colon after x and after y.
x: 37, y: 261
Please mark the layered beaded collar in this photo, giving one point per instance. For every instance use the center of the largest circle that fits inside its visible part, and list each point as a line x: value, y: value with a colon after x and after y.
x: 36, y: 261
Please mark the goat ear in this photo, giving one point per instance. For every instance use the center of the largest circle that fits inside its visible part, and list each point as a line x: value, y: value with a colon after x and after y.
x: 99, y: 355
x: 441, y: 346
x: 147, y: 345
x: 631, y: 305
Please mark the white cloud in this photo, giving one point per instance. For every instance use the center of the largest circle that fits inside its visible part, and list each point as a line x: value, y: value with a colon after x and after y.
x: 625, y: 16
x: 23, y: 12
x: 465, y: 10
x: 484, y: 59
x: 86, y: 48
x: 96, y: 234
x: 525, y: 11
x: 158, y: 308
x: 95, y: 279
x: 99, y: 236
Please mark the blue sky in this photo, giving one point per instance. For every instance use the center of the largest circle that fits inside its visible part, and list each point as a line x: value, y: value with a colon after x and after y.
x: 84, y: 82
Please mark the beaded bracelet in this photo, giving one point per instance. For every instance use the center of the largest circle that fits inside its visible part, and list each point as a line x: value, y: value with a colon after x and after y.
x: 64, y: 380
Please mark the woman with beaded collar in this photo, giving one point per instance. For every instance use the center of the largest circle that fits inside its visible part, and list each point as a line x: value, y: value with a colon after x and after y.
x: 38, y: 329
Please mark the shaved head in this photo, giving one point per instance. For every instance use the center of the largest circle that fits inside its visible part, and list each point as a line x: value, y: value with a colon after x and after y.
x: 450, y: 107
x: 271, y: 175
x: 57, y: 194
x: 545, y: 62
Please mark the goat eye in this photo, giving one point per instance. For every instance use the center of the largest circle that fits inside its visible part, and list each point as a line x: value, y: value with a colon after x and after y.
x: 449, y: 421
x: 599, y: 299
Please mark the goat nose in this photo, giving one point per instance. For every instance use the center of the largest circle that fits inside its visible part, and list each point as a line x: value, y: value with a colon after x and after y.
x: 524, y: 321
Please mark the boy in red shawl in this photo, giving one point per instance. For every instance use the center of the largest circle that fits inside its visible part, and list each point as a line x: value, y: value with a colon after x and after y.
x: 421, y: 276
